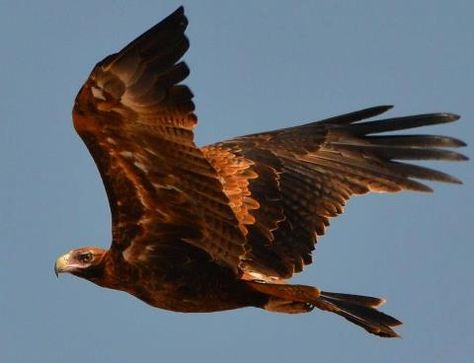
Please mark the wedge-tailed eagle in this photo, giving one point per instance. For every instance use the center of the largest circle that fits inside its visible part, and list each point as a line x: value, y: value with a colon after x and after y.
x: 202, y: 229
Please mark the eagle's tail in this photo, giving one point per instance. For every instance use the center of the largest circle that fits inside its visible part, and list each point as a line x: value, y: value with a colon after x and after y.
x: 360, y: 310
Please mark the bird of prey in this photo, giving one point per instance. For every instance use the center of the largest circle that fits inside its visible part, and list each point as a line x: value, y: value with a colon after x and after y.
x: 224, y: 226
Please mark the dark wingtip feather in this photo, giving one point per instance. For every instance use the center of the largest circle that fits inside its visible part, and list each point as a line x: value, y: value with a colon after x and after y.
x: 461, y: 157
x: 403, y: 153
x: 401, y: 123
x: 179, y: 12
x: 383, y: 108
x: 417, y: 186
x: 377, y: 110
x: 458, y: 143
x: 170, y: 29
x: 356, y: 116
x: 414, y: 141
x: 421, y: 172
x: 450, y: 117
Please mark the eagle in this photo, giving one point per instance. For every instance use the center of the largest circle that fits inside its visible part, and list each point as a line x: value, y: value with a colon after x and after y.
x: 224, y: 226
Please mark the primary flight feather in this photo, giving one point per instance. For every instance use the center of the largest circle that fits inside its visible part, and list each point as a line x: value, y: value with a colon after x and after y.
x: 223, y: 226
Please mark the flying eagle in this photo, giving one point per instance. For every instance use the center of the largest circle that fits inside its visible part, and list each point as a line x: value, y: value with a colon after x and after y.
x: 203, y: 229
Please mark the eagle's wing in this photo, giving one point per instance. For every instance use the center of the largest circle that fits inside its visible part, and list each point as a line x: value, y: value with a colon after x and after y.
x: 137, y: 121
x: 285, y: 185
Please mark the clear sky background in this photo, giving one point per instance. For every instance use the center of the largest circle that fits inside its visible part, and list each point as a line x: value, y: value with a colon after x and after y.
x: 255, y: 65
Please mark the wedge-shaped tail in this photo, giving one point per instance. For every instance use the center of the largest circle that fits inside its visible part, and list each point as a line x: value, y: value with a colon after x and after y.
x: 358, y: 309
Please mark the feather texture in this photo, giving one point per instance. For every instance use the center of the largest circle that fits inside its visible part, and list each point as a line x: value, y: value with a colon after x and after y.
x: 222, y: 226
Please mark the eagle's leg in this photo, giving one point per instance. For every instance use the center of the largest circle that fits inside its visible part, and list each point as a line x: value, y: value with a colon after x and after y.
x: 279, y: 305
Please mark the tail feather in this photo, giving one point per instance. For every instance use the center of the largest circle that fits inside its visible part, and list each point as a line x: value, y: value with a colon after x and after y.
x: 352, y: 308
x: 358, y: 309
x: 367, y: 301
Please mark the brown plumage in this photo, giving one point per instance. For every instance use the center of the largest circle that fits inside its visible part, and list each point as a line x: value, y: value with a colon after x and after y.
x: 221, y: 227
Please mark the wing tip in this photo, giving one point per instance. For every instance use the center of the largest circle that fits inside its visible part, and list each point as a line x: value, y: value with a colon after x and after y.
x: 449, y: 117
x: 179, y: 13
x: 384, y: 108
x: 179, y: 16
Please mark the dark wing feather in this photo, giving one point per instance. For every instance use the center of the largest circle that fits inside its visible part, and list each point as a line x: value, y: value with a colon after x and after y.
x: 137, y: 122
x: 302, y: 176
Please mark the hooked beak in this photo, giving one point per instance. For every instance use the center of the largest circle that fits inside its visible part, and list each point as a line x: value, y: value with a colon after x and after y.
x: 62, y: 264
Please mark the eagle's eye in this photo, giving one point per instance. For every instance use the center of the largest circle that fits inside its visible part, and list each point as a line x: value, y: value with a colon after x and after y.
x: 85, y: 257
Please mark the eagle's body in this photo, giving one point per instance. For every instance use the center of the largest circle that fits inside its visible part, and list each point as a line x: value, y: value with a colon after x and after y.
x: 191, y: 284
x: 224, y: 226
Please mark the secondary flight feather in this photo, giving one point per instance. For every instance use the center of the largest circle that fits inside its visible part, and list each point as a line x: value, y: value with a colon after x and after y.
x: 201, y: 229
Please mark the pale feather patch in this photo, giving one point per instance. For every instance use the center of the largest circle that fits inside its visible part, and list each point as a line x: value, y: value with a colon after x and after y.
x: 254, y: 275
x: 132, y: 254
x: 151, y: 151
x: 111, y: 141
x: 141, y: 166
x: 234, y: 174
x: 167, y: 187
x: 127, y: 253
x: 98, y: 93
x: 126, y: 154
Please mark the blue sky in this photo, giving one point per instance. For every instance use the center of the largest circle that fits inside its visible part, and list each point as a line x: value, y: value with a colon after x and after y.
x: 254, y: 66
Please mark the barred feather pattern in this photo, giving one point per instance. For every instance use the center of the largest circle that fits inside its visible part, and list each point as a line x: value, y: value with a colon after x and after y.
x: 313, y: 169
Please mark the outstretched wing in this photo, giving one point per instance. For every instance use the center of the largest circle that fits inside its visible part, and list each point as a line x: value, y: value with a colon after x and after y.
x: 137, y: 121
x: 290, y: 182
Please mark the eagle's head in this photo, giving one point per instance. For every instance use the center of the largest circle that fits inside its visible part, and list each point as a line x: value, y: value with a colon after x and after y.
x: 85, y: 262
